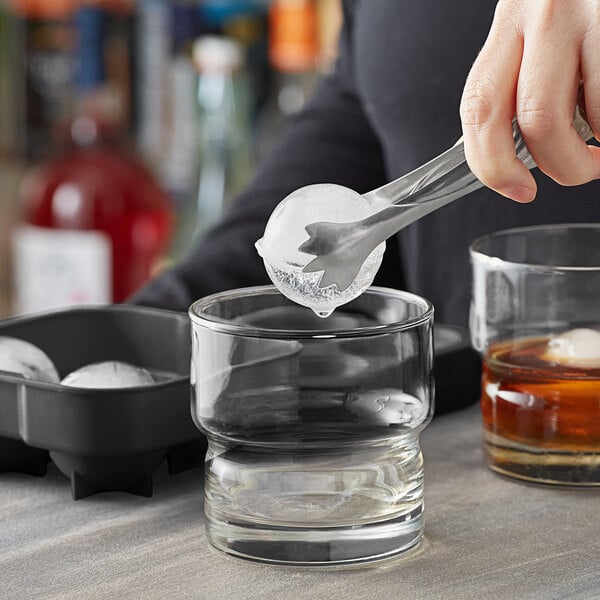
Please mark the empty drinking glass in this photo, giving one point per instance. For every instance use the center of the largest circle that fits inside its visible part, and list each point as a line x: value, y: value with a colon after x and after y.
x: 312, y: 424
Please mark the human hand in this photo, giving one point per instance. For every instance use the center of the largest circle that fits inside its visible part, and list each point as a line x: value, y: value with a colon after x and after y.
x: 531, y: 65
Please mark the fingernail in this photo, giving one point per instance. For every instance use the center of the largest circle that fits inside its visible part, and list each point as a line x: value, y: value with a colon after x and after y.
x: 519, y: 193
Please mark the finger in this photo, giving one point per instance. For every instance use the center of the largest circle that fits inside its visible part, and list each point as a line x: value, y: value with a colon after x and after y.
x: 590, y: 73
x: 547, y: 95
x: 487, y: 109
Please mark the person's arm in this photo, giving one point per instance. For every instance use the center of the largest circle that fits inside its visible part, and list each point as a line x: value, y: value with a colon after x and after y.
x: 531, y: 66
x: 330, y: 141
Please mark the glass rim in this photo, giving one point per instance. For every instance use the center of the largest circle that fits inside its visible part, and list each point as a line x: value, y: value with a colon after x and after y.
x: 484, y: 257
x: 244, y: 330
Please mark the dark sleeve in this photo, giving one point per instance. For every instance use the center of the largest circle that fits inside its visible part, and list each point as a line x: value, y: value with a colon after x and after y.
x: 329, y: 141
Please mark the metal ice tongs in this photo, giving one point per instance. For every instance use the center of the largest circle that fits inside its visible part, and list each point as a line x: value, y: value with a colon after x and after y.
x: 340, y: 249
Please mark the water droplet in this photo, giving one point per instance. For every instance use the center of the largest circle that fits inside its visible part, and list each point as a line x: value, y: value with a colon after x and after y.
x: 323, y: 313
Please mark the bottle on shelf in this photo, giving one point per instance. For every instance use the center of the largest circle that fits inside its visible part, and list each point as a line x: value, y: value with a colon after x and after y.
x: 152, y: 52
x: 119, y: 58
x: 223, y: 135
x: 244, y: 21
x: 293, y: 50
x: 178, y: 167
x: 329, y: 17
x: 95, y: 223
x: 43, y: 83
x: 293, y: 45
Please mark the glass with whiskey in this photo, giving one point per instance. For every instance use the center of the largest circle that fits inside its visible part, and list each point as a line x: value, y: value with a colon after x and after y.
x: 535, y: 317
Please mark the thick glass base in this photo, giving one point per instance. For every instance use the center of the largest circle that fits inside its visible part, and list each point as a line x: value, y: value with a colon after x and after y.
x: 315, y: 504
x: 542, y: 465
x: 318, y: 547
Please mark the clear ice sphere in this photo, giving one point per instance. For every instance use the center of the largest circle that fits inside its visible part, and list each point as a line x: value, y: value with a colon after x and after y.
x: 285, y: 232
x: 108, y: 374
x: 576, y: 348
x: 26, y: 359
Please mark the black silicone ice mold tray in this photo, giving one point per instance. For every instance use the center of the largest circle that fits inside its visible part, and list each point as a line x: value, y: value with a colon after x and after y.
x: 102, y: 439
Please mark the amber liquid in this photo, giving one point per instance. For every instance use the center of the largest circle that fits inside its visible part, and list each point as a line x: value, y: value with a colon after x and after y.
x: 541, y: 419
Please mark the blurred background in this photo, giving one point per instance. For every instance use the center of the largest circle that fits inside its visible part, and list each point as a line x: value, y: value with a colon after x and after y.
x: 127, y: 125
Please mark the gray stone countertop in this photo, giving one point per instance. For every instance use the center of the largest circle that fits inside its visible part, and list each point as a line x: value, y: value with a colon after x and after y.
x: 486, y: 537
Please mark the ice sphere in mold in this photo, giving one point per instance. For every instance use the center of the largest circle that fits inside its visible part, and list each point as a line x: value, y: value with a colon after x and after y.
x: 26, y: 359
x: 575, y: 348
x: 285, y: 232
x: 108, y: 374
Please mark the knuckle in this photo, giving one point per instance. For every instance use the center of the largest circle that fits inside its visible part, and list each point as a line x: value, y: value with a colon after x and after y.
x: 510, y: 15
x: 476, y: 109
x: 509, y: 11
x: 536, y: 119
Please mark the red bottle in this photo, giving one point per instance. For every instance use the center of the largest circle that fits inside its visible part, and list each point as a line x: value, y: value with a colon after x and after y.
x: 95, y: 225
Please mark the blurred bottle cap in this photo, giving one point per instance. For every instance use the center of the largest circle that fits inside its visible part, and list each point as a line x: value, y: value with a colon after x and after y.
x: 214, y: 53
